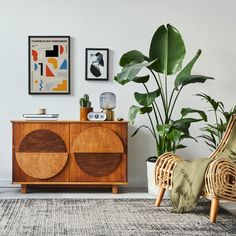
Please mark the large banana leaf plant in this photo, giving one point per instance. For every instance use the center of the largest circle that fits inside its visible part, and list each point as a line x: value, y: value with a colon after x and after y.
x: 166, y: 55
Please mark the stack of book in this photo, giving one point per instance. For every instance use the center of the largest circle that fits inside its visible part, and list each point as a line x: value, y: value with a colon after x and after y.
x: 41, y: 116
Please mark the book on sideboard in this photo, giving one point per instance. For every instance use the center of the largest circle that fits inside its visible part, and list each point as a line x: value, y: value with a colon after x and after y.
x: 41, y: 116
x: 38, y: 119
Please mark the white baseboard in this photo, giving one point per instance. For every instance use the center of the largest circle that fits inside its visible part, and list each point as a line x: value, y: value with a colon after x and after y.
x: 7, y: 183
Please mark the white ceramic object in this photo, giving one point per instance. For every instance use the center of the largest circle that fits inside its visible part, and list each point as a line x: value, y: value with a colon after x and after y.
x: 152, y: 188
x: 41, y: 111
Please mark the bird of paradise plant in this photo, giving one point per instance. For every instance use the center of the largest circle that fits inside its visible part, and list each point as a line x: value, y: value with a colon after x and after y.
x: 166, y: 55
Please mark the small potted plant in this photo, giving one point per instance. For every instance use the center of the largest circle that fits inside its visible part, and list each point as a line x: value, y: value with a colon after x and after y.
x: 85, y: 107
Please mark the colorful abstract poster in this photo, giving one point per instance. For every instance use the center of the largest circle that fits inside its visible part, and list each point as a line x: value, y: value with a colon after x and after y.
x: 49, y: 65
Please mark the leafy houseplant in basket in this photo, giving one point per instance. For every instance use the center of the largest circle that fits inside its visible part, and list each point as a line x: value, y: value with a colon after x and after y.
x: 166, y: 55
x: 213, y: 133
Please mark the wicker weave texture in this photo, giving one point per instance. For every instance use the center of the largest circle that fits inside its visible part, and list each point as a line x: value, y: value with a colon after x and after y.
x: 220, y: 177
x: 220, y: 180
x: 164, y: 168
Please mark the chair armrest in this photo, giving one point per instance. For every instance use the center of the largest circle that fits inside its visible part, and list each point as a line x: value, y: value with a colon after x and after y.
x: 164, y: 168
x: 220, y: 179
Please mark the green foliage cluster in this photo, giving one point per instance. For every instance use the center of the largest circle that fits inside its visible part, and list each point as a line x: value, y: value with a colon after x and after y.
x: 213, y: 133
x: 166, y: 55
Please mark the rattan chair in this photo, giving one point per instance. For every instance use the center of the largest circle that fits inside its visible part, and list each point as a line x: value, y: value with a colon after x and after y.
x: 220, y: 176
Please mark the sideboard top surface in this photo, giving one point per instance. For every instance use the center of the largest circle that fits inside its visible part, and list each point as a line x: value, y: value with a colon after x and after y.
x: 68, y: 121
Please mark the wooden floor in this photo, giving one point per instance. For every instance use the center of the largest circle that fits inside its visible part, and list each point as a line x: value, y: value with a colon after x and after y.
x: 6, y: 193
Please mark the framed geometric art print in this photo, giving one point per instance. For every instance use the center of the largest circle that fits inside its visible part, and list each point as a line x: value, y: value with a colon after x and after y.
x: 96, y: 63
x: 49, y: 65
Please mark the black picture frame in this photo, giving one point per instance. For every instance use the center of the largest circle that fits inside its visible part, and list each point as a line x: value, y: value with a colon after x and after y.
x: 97, y: 64
x: 61, y: 52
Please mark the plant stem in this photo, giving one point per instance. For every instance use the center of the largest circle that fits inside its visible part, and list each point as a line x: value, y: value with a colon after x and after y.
x: 150, y: 131
x: 171, y: 97
x: 145, y: 126
x: 159, y: 78
x: 160, y: 87
x: 166, y: 88
x: 172, y: 108
x: 158, y: 110
x: 154, y: 132
x: 152, y: 104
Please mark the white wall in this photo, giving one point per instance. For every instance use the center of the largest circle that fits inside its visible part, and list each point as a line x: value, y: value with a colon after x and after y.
x: 120, y: 25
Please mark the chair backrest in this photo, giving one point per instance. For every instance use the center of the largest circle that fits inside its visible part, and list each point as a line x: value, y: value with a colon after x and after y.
x: 228, y: 140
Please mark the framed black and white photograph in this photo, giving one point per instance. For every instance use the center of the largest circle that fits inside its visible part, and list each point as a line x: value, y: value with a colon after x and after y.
x: 96, y: 63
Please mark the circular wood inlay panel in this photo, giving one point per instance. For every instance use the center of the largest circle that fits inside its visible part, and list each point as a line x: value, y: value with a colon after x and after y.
x: 99, y: 140
x: 97, y: 164
x: 42, y: 154
x: 42, y: 141
x: 98, y: 151
x: 41, y: 165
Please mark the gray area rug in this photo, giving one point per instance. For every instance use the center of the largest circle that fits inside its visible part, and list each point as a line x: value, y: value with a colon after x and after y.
x: 107, y: 217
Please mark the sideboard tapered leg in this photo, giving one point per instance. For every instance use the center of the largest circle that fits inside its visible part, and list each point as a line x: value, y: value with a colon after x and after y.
x: 23, y: 188
x: 114, y: 189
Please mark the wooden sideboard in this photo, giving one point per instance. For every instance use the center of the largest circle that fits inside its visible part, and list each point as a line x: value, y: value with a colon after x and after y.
x: 69, y: 153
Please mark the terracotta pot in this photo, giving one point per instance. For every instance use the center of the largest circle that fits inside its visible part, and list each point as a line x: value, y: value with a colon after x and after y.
x: 84, y: 112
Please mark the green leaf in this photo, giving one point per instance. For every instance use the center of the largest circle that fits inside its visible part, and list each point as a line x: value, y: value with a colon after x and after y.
x: 142, y: 79
x: 130, y: 72
x: 174, y: 135
x: 210, y: 100
x: 144, y: 110
x: 186, y: 111
x: 180, y: 146
x: 227, y: 115
x: 185, y: 77
x: 184, y: 124
x: 185, y: 136
x: 186, y: 71
x: 207, y: 137
x: 163, y: 130
x: 133, y: 111
x: 191, y: 79
x: 146, y: 99
x: 184, y: 127
x: 211, y: 145
x: 210, y: 131
x: 213, y: 139
x: 168, y: 46
x: 131, y: 56
x: 140, y: 127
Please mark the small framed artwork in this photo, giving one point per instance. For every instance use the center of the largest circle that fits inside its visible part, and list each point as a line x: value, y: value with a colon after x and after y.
x: 96, y: 63
x: 49, y: 64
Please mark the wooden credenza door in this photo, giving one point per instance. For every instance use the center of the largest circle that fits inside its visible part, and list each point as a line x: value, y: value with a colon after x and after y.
x: 98, y: 152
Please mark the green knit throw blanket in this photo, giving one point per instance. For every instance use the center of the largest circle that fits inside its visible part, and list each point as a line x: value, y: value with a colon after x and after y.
x: 188, y: 177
